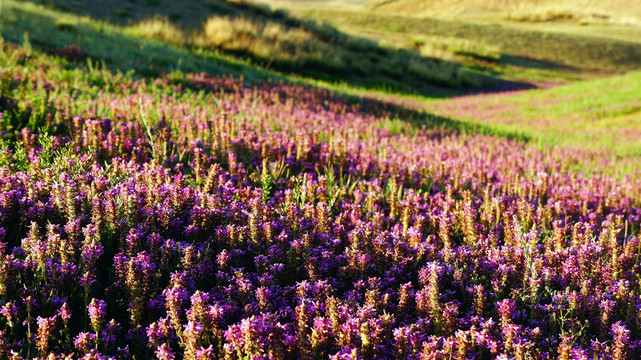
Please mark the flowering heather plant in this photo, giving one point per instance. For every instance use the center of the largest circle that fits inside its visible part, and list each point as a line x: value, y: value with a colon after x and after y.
x: 272, y: 221
x: 97, y: 311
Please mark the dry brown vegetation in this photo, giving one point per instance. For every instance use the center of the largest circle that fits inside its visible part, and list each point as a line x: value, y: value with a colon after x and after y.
x: 453, y: 48
x: 263, y: 39
x: 580, y: 11
x: 160, y: 28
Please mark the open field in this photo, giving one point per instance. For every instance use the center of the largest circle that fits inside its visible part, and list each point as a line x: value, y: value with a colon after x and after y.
x: 270, y: 39
x: 578, y: 11
x: 568, y: 49
x: 603, y: 113
x: 166, y: 195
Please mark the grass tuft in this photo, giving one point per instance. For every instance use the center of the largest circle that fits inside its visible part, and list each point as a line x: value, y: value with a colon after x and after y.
x: 449, y: 47
x: 159, y: 28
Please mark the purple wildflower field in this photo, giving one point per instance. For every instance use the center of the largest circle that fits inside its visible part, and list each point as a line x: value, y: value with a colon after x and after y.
x: 198, y: 217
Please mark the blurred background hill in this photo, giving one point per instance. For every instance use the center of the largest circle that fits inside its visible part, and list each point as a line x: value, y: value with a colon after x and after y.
x: 584, y: 11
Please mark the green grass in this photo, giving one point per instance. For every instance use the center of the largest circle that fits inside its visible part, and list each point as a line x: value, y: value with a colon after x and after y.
x: 603, y: 114
x: 576, y: 50
x: 121, y: 48
x: 286, y: 44
x: 615, y: 32
x: 40, y: 26
x: 603, y: 98
x: 579, y: 12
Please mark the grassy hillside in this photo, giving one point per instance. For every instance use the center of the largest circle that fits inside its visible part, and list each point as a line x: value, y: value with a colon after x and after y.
x: 189, y: 13
x: 604, y: 114
x: 569, y: 49
x: 581, y: 11
x: 272, y: 39
x: 397, y: 54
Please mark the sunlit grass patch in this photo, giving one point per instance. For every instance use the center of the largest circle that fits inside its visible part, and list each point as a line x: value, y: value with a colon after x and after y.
x: 159, y: 28
x: 440, y: 46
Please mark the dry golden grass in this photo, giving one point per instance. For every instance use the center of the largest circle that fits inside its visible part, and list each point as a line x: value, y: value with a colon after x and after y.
x: 159, y: 28
x: 580, y: 11
x: 453, y: 48
x: 229, y: 33
x: 556, y: 13
x: 263, y: 39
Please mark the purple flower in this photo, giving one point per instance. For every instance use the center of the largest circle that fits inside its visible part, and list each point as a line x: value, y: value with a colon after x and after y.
x: 45, y: 327
x: 9, y: 310
x: 621, y: 338
x: 84, y: 341
x: 64, y: 312
x: 163, y: 352
x: 97, y: 313
x: 506, y: 308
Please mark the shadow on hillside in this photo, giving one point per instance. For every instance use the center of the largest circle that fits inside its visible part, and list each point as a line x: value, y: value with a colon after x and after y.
x: 419, y: 119
x: 29, y: 25
x: 188, y: 13
x: 326, y: 54
x: 582, y: 51
x: 498, y: 86
x: 531, y: 63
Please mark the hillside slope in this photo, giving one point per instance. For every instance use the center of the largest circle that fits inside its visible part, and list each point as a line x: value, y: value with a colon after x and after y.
x: 272, y: 40
x: 613, y: 10
x: 578, y: 115
x: 576, y: 50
